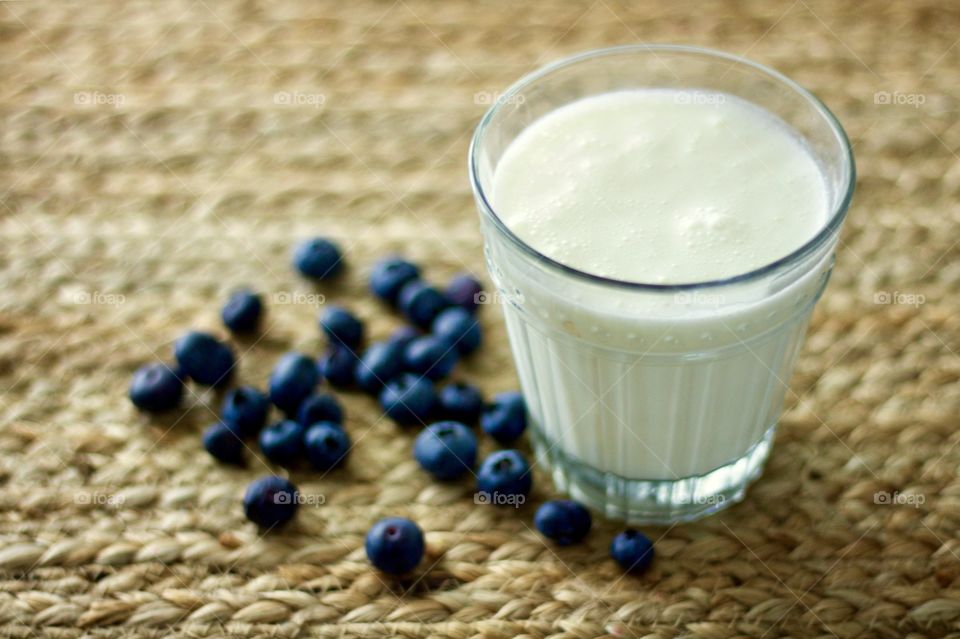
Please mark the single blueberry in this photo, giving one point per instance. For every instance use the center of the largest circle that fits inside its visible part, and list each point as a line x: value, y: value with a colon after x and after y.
x: 505, y: 478
x: 632, y: 550
x: 464, y: 291
x: 505, y: 418
x: 389, y: 275
x: 430, y: 356
x: 282, y: 442
x: 204, y: 359
x: 420, y: 303
x: 241, y: 313
x: 460, y: 402
x: 458, y: 327
x: 292, y: 381
x: 380, y: 363
x: 320, y: 408
x: 408, y: 399
x: 563, y: 520
x: 327, y: 445
x: 318, y: 258
x: 446, y: 450
x: 404, y: 335
x: 341, y: 327
x: 155, y: 388
x: 270, y: 501
x: 338, y: 365
x: 245, y: 408
x: 395, y: 545
x: 224, y: 444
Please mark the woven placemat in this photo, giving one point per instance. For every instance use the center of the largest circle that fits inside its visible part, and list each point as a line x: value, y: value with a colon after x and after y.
x: 156, y: 155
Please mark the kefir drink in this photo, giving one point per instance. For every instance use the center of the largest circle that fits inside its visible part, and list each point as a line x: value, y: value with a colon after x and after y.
x: 658, y: 251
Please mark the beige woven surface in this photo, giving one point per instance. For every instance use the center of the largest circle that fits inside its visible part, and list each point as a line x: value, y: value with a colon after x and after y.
x: 147, y: 167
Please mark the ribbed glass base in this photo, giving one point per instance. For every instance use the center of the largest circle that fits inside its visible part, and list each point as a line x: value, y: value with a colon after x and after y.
x: 639, y: 501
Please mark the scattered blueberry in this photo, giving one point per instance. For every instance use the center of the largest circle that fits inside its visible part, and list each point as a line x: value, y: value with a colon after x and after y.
x: 430, y: 356
x: 245, y: 408
x: 204, y: 359
x: 318, y: 258
x: 292, y: 381
x: 404, y: 335
x: 408, y: 399
x: 446, y: 450
x: 395, y: 545
x: 380, y: 363
x: 282, y: 442
x: 155, y: 388
x: 460, y: 402
x: 632, y: 550
x: 504, y: 474
x: 338, y: 365
x: 420, y: 303
x: 464, y: 291
x: 224, y: 444
x: 320, y: 408
x: 242, y: 312
x: 327, y: 445
x: 389, y: 275
x: 506, y: 418
x: 341, y: 327
x: 270, y: 501
x: 563, y: 520
x: 459, y: 328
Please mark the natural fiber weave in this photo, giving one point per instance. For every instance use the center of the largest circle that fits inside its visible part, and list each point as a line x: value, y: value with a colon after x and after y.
x: 149, y: 166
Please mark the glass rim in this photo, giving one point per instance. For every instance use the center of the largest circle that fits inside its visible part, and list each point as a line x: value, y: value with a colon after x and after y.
x: 833, y: 223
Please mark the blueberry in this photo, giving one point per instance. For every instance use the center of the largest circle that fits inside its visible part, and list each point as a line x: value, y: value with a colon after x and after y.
x: 282, y: 442
x: 430, y: 356
x: 460, y: 402
x: 408, y: 399
x: 504, y: 474
x: 446, y: 450
x: 632, y: 550
x: 327, y: 445
x: 420, y: 303
x: 341, y: 327
x: 506, y: 418
x: 563, y: 520
x: 318, y: 258
x: 241, y: 313
x: 270, y: 501
x: 338, y: 365
x: 245, y: 408
x: 224, y: 444
x: 382, y: 362
x: 292, y: 380
x: 320, y: 408
x: 395, y: 545
x: 155, y: 388
x: 459, y: 328
x: 464, y: 291
x: 404, y: 335
x: 203, y: 359
x: 389, y: 275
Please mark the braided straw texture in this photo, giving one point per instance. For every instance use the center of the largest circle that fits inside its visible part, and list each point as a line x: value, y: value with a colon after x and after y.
x: 156, y: 155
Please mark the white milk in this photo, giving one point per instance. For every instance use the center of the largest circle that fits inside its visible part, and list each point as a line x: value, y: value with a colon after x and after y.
x: 657, y: 187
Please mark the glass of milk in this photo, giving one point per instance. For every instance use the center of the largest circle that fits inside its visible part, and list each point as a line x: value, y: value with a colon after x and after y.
x: 659, y: 222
